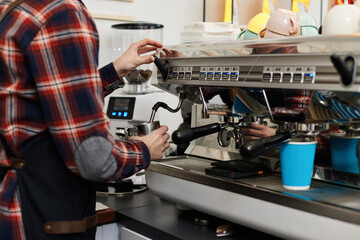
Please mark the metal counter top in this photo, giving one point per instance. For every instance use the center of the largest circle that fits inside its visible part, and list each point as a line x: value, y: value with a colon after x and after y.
x: 152, y: 217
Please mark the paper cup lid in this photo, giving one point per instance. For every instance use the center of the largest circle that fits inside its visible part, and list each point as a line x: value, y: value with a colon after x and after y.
x: 301, y: 141
x: 343, y: 135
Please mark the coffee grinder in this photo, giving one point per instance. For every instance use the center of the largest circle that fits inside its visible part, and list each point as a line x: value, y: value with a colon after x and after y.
x: 132, y: 105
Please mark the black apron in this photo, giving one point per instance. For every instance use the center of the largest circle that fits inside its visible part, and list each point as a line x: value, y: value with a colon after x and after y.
x: 49, y: 192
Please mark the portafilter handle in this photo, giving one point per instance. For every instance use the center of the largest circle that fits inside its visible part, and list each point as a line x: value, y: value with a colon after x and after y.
x: 189, y: 134
x: 257, y: 147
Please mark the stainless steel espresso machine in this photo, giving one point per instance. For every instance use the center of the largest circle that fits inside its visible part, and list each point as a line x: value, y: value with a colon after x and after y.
x: 263, y: 81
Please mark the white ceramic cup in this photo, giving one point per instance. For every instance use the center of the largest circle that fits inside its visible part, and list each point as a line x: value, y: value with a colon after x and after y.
x: 342, y: 20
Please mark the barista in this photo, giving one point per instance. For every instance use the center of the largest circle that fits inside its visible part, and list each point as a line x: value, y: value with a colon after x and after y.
x: 55, y: 137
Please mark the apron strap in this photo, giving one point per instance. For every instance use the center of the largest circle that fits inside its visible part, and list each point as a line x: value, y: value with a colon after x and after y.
x: 69, y: 227
x: 10, y: 8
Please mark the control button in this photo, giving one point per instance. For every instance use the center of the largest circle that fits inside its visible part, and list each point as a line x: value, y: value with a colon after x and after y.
x: 210, y: 76
x: 276, y: 77
x: 277, y: 74
x: 234, y: 75
x: 113, y: 113
x: 266, y: 77
x: 125, y: 114
x: 267, y: 74
x: 119, y: 114
x: 286, y: 78
x: 287, y: 74
x: 217, y: 75
x: 225, y: 76
x: 298, y: 77
x: 174, y: 75
x: 309, y: 77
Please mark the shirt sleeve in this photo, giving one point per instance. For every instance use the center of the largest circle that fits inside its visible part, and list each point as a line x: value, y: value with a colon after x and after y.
x: 110, y: 79
x: 63, y: 59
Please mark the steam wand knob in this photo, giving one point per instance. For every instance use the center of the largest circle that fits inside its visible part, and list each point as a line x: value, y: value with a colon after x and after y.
x: 164, y: 68
x: 346, y: 68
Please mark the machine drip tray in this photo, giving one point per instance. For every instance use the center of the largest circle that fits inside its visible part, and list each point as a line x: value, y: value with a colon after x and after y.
x: 237, y: 169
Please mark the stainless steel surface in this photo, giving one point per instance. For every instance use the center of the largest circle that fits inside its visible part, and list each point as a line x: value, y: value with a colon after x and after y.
x: 146, y: 128
x: 327, y: 199
x: 137, y: 88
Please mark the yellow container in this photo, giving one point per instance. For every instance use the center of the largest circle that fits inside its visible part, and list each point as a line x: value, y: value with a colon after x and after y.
x: 257, y: 23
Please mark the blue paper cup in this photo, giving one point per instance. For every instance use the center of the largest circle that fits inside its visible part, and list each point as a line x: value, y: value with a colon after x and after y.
x: 297, y: 163
x: 344, y: 153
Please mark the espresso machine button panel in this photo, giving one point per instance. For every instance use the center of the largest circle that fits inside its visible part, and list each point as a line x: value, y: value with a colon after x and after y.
x: 302, y: 74
x: 210, y: 73
x: 270, y: 74
x: 181, y: 73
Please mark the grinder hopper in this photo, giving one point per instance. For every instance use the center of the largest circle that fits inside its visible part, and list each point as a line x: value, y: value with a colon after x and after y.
x: 124, y: 35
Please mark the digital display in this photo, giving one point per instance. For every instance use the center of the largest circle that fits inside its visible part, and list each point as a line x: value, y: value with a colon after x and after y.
x: 121, y: 104
x: 121, y: 108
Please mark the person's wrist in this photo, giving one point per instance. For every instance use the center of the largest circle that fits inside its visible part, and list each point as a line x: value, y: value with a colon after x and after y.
x: 119, y: 71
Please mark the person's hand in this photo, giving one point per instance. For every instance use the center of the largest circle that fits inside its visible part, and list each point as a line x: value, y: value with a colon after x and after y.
x: 133, y: 57
x: 170, y: 53
x: 156, y: 141
x: 257, y: 131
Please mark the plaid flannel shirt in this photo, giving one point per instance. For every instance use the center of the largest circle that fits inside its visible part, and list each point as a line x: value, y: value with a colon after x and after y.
x: 49, y: 80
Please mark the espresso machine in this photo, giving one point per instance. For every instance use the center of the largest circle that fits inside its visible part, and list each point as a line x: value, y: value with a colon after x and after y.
x: 305, y: 87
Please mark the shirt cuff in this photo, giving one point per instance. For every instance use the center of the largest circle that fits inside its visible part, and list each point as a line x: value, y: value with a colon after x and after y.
x: 110, y: 79
x: 145, y: 152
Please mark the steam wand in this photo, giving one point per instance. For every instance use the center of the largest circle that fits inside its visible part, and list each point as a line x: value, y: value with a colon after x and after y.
x: 157, y: 105
x: 204, y: 110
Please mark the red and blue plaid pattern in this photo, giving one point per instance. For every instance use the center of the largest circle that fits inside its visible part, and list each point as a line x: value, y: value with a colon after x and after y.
x: 49, y: 80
